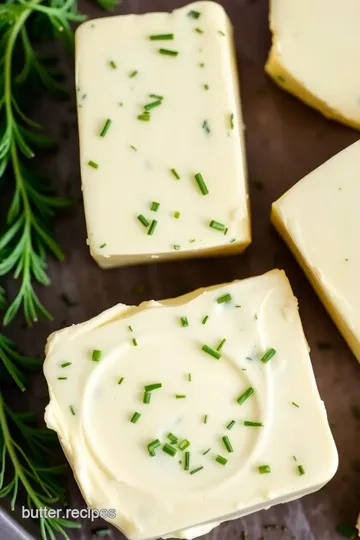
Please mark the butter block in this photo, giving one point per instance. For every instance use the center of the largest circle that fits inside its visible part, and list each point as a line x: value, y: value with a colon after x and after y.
x: 161, y: 136
x: 218, y: 382
x: 315, y: 48
x: 319, y: 219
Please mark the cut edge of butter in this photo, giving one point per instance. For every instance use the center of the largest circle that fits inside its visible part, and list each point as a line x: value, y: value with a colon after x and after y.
x: 323, y: 294
x: 275, y: 68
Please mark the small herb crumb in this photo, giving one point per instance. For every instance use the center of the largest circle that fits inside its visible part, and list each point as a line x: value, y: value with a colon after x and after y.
x: 133, y: 74
x: 193, y: 14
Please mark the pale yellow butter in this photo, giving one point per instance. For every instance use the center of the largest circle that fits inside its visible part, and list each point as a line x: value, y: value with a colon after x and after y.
x: 319, y: 219
x: 195, y: 128
x: 315, y: 53
x: 156, y: 495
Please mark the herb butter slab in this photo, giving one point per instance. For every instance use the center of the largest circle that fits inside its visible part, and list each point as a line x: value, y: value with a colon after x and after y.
x: 196, y: 423
x: 161, y: 136
x: 319, y: 219
x: 316, y: 45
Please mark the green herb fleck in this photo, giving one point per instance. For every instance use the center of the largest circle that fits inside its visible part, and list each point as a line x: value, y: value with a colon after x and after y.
x: 227, y: 443
x: 194, y: 471
x: 66, y: 364
x: 175, y: 173
x: 183, y: 445
x: 224, y: 299
x: 206, y: 86
x: 130, y: 328
x: 231, y: 424
x: 172, y: 438
x: 180, y: 396
x: 154, y: 206
x: 143, y: 220
x: 176, y: 215
x: 96, y: 355
x: 199, y: 31
x: 152, y: 105
x: 121, y: 380
x: 221, y: 344
x: 232, y: 121
x: 249, y: 423
x: 152, y: 446
x: 264, y: 469
x: 193, y: 14
x: 221, y: 33
x: 147, y: 398
x: 189, y: 377
x: 62, y: 378
x: 133, y: 148
x: 152, y: 386
x: 168, y: 52
x: 102, y: 246
x: 205, y: 420
x: 106, y: 127
x: 184, y: 321
x: 268, y: 355
x: 211, y: 351
x: 135, y: 417
x: 295, y: 404
x: 221, y: 460
x: 161, y: 37
x: 133, y: 74
x: 204, y: 321
x: 134, y: 341
x: 112, y: 64
x: 201, y: 183
x: 156, y: 96
x: 176, y: 247
x: 93, y: 164
x: 249, y: 392
x: 206, y: 451
x: 144, y: 117
x: 152, y: 227
x: 301, y: 470
x: 206, y: 127
x: 187, y: 461
x: 170, y: 450
x: 72, y: 410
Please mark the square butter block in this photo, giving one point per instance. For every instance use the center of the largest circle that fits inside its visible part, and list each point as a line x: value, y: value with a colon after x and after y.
x: 161, y: 136
x: 319, y: 219
x: 315, y: 46
x: 187, y: 412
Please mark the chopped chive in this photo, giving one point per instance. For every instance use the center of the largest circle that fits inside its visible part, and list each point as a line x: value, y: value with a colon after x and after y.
x: 133, y: 74
x: 172, y: 438
x: 189, y: 377
x: 175, y: 173
x: 93, y: 164
x: 154, y: 206
x: 161, y: 37
x: 204, y: 321
x: 232, y: 121
x: 226, y: 231
x: 96, y: 355
x: 249, y: 392
x: 294, y: 458
x: 201, y: 183
x: 106, y: 127
x: 252, y: 424
x: 295, y: 404
x: 135, y: 417
x: 112, y: 64
x: 134, y: 341
x: 231, y: 424
x: 221, y: 460
x: 199, y: 31
x: 224, y: 299
x: 201, y: 64
x: 121, y: 380
x: 217, y: 225
x: 156, y: 96
x: 184, y: 444
x: 227, y: 443
x: 194, y: 14
x: 152, y: 105
x: 205, y: 126
x: 180, y: 396
x: 206, y: 86
x: 168, y: 52
x: 143, y: 220
x: 184, y: 321
x: 221, y: 33
x: 130, y: 328
x: 72, y: 410
x: 170, y: 450
x: 133, y: 148
x: 205, y: 418
x: 153, y: 386
x: 211, y: 351
x: 152, y: 227
x: 147, y: 397
x: 194, y: 471
x: 145, y: 116
x: 238, y: 306
x: 206, y: 451
x: 301, y: 470
x: 221, y: 344
x: 264, y: 469
x: 65, y: 364
x: 62, y: 378
x: 176, y: 247
x: 187, y: 461
x: 176, y: 215
x: 268, y: 355
x: 152, y: 446
x: 102, y: 246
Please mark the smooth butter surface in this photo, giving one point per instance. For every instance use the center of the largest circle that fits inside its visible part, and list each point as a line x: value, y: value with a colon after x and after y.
x: 155, y: 496
x: 196, y: 128
x: 316, y: 45
x: 319, y: 218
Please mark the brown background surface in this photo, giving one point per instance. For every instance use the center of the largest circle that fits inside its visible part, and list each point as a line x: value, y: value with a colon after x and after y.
x: 284, y: 141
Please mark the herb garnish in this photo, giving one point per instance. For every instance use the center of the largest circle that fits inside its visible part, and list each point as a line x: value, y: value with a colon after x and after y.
x: 264, y: 469
x: 184, y: 321
x: 152, y: 227
x: 224, y: 299
x: 221, y: 460
x: 96, y: 355
x: 153, y: 386
x: 154, y: 206
x: 93, y: 164
x: 206, y: 127
x: 193, y: 14
x: 170, y: 450
x: 106, y: 127
x: 227, y: 443
x: 65, y: 364
x: 231, y: 424
x: 175, y: 173
x: 143, y: 220
x: 194, y: 471
x: 268, y: 355
x: 133, y: 74
x: 249, y: 392
x: 211, y: 351
x: 201, y: 183
x: 161, y: 37
x: 135, y: 417
x: 168, y: 52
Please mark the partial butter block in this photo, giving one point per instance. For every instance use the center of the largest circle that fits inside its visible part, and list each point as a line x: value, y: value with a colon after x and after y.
x: 315, y: 46
x: 161, y: 136
x: 218, y: 382
x: 319, y: 219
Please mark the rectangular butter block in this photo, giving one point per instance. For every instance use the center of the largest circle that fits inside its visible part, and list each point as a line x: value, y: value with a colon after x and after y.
x: 314, y: 50
x: 220, y: 385
x: 319, y: 219
x: 160, y: 122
